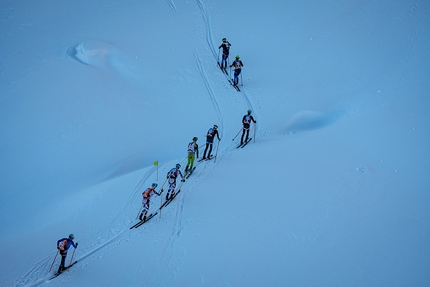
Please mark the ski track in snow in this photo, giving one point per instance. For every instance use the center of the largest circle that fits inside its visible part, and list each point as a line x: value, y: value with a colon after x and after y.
x: 209, y: 39
x: 37, y: 274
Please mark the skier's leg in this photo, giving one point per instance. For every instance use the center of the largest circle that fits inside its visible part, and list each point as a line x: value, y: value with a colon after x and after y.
x: 188, y: 163
x: 171, y: 187
x: 243, y: 134
x: 210, y: 150
x: 204, y: 153
x: 63, y: 261
x: 192, y: 156
x: 173, y: 190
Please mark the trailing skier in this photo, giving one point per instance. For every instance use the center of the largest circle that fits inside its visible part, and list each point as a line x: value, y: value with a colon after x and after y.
x: 193, y: 152
x: 63, y: 245
x: 212, y: 133
x: 237, y: 69
x: 225, y: 52
x: 146, y: 198
x: 246, y: 121
x: 171, y: 176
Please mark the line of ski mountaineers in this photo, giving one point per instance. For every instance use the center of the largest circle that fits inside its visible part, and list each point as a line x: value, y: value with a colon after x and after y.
x: 193, y: 152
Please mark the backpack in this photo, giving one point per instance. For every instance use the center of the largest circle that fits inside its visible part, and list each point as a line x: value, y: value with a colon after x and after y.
x: 191, y: 146
x: 237, y: 64
x: 172, y: 173
x: 63, y: 244
x: 211, y: 132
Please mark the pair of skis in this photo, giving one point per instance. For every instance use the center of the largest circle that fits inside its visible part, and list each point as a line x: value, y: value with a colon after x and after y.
x: 206, y: 159
x: 242, y: 145
x: 167, y: 202
x: 189, y: 172
x: 145, y: 220
x: 58, y: 273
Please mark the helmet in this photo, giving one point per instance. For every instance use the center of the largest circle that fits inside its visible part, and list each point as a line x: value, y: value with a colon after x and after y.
x: 195, y: 139
x: 224, y: 39
x: 237, y: 57
x: 249, y: 112
x: 178, y: 166
x: 215, y: 126
x: 154, y: 185
x: 71, y: 236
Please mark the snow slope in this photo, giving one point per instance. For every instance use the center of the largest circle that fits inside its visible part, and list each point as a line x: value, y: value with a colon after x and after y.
x: 333, y: 192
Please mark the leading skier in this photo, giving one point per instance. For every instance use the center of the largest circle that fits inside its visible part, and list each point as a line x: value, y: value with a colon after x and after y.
x: 225, y: 52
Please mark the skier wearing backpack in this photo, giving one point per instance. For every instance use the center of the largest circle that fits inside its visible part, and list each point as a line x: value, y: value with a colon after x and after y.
x: 237, y: 69
x: 212, y: 133
x: 193, y: 152
x: 225, y: 52
x: 246, y: 120
x: 63, y: 245
x: 146, y: 197
x: 171, y: 176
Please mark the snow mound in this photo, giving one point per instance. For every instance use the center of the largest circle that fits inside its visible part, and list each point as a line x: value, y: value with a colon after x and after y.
x: 106, y: 57
x: 311, y: 120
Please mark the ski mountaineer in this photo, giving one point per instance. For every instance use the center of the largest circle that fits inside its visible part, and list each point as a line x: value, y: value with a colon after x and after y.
x: 146, y: 197
x: 246, y: 120
x: 63, y: 245
x: 171, y: 176
x: 237, y: 69
x: 193, y: 151
x: 225, y: 52
x: 212, y: 133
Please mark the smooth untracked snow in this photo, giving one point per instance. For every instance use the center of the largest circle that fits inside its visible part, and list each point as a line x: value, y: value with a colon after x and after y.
x: 334, y: 191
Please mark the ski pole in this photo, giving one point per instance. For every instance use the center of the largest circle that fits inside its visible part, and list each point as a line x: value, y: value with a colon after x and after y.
x: 241, y: 80
x: 161, y: 202
x: 237, y: 134
x: 54, y: 260
x: 255, y: 130
x: 216, y: 152
x: 218, y: 57
x: 73, y: 254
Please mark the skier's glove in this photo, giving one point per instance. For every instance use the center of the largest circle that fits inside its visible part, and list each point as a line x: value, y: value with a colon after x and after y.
x: 76, y: 244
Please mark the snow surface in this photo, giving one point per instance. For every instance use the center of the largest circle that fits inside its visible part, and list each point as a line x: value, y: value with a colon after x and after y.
x: 333, y: 192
